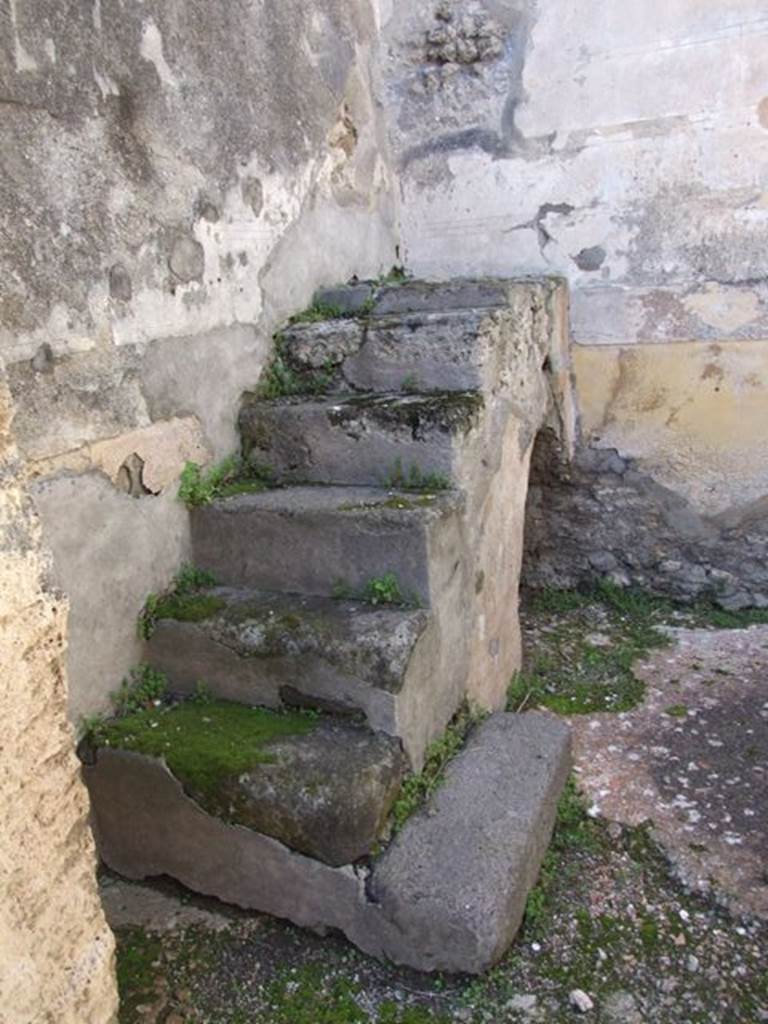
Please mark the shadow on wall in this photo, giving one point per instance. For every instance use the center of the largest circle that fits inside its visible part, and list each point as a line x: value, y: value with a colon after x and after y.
x: 599, y: 517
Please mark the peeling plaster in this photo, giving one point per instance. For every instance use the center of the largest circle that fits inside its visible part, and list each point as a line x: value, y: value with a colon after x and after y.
x: 151, y: 50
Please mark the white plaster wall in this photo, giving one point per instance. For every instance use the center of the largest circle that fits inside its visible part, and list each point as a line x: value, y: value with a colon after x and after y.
x: 629, y: 138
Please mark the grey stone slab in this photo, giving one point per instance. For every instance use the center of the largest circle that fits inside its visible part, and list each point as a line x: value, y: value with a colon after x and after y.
x: 348, y: 298
x: 326, y: 794
x: 423, y: 350
x: 358, y: 641
x: 437, y: 296
x: 447, y: 895
x: 455, y: 880
x: 307, y: 539
x: 359, y: 439
x: 145, y: 825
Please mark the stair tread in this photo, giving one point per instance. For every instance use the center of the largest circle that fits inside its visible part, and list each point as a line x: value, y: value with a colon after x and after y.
x: 378, y: 502
x: 369, y: 642
x: 367, y: 399
x: 323, y: 788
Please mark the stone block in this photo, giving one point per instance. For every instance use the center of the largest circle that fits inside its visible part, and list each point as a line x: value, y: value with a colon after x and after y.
x: 452, y: 886
x: 366, y: 439
x: 306, y: 540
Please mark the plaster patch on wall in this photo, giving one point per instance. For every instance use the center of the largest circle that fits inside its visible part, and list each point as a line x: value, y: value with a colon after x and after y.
x: 163, y: 448
x: 727, y: 310
x: 692, y: 414
x: 151, y: 50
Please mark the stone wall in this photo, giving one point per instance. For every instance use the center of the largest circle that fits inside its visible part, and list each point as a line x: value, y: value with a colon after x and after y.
x: 175, y: 178
x: 56, y: 952
x: 601, y: 517
x: 624, y: 147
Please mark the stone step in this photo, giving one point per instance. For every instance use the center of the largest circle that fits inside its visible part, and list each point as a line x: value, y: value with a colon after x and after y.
x: 320, y: 540
x: 455, y: 881
x: 379, y: 440
x: 278, y: 650
x: 321, y: 787
x: 487, y: 334
x: 447, y: 894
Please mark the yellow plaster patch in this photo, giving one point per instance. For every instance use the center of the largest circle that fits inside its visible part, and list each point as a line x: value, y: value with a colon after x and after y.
x: 694, y: 414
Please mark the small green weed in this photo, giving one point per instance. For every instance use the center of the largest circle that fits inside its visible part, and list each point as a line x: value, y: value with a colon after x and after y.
x: 378, y: 590
x: 316, y: 312
x: 182, y: 601
x: 144, y: 688
x: 202, y: 693
x: 397, y: 274
x: 383, y: 590
x: 410, y: 384
x: 420, y: 786
x: 281, y: 380
x: 415, y: 479
x: 231, y: 476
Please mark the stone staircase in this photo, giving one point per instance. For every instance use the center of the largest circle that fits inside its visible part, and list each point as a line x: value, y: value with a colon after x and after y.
x: 410, y: 469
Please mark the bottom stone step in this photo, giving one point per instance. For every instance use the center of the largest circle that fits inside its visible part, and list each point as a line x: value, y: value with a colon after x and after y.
x: 448, y: 894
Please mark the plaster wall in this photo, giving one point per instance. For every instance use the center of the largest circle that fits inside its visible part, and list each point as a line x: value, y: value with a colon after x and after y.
x: 624, y: 146
x: 175, y: 178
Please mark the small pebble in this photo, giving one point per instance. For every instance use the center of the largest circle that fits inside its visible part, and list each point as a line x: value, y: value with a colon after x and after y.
x: 581, y: 1001
x: 692, y: 963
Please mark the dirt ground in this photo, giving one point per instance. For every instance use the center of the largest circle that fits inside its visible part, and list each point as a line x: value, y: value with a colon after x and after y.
x: 652, y: 905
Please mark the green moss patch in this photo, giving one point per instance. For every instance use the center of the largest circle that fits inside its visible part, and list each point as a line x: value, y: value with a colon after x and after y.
x: 188, y: 607
x: 584, y: 644
x: 205, y: 744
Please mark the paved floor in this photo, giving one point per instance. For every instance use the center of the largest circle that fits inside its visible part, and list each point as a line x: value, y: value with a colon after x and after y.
x: 693, y: 759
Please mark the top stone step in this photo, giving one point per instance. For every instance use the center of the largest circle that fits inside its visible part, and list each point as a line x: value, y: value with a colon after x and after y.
x: 421, y: 296
x: 425, y: 336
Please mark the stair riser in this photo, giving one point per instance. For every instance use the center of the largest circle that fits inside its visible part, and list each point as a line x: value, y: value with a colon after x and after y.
x: 428, y: 352
x: 186, y: 655
x: 314, y: 444
x: 310, y: 552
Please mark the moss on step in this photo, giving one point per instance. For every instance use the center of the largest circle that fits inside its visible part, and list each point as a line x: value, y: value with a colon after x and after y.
x: 184, y: 601
x: 445, y: 410
x: 205, y: 744
x: 394, y: 501
x: 188, y: 607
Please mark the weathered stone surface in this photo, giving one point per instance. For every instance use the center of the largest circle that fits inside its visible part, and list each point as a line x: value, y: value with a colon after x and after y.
x: 305, y: 539
x: 326, y: 794
x: 145, y: 825
x: 439, y: 296
x: 316, y: 346
x: 447, y: 895
x: 342, y: 656
x: 360, y: 440
x: 357, y: 640
x: 455, y: 880
x: 601, y: 518
x: 348, y: 298
x: 56, y: 951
